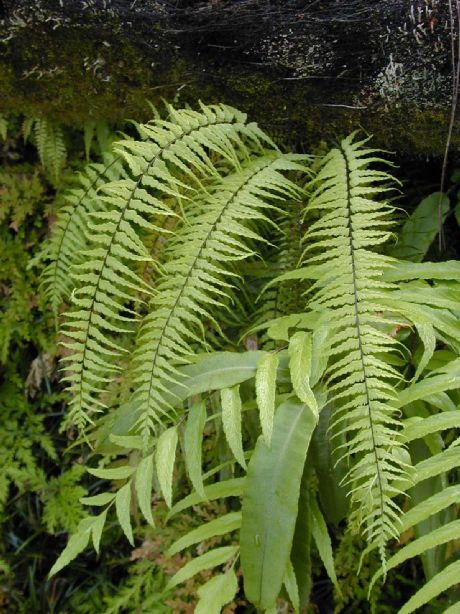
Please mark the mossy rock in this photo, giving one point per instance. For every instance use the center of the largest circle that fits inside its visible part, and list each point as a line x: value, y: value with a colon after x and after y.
x: 303, y: 74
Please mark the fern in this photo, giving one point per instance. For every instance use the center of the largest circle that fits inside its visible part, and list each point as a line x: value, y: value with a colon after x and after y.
x: 174, y: 148
x: 49, y: 139
x: 196, y: 276
x: 70, y: 236
x: 347, y: 300
x: 161, y: 246
x: 437, y: 465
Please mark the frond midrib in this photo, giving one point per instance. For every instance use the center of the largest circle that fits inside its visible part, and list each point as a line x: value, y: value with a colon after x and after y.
x: 358, y: 326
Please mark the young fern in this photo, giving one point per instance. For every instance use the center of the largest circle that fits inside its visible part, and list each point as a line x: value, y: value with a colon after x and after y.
x: 347, y: 300
x: 51, y: 147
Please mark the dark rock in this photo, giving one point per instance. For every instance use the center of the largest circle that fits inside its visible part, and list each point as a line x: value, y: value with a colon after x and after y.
x: 304, y: 68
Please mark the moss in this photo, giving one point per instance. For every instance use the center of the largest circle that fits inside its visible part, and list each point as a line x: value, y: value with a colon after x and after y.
x: 75, y: 78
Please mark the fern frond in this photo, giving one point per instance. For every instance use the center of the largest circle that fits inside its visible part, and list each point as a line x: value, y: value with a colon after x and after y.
x: 197, y: 277
x: 347, y: 298
x: 176, y: 152
x: 70, y: 237
x: 281, y: 298
x: 51, y: 148
x: 436, y: 465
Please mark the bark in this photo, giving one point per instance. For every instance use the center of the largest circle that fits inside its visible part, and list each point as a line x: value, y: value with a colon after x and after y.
x: 305, y: 69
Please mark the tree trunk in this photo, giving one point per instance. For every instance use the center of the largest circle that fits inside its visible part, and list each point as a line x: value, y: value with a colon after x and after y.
x: 305, y: 69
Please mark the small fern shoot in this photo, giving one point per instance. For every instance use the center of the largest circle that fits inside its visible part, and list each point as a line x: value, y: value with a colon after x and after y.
x: 49, y: 139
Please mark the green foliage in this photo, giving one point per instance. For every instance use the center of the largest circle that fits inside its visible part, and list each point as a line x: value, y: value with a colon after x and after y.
x: 269, y: 507
x: 185, y: 243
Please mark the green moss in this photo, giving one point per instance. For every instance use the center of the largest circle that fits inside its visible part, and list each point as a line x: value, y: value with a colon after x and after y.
x: 74, y: 78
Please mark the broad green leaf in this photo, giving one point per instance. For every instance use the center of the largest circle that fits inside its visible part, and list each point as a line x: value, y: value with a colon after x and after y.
x: 417, y: 428
x: 301, y: 545
x: 101, y: 499
x: 441, y: 535
x: 216, y: 593
x: 320, y: 351
x: 290, y: 582
x: 437, y: 502
x: 208, y: 372
x: 165, y: 457
x: 438, y: 382
x: 210, y: 559
x: 143, y: 483
x: 266, y: 392
x: 420, y: 229
x: 455, y: 607
x: 193, y: 440
x: 300, y: 347
x: 214, y: 372
x: 117, y: 473
x: 323, y: 542
x: 331, y: 473
x: 97, y: 529
x: 442, y: 401
x: 220, y: 490
x: 122, y: 506
x: 76, y: 544
x: 131, y: 442
x: 270, y: 502
x: 437, y: 464
x: 404, y: 271
x: 231, y: 421
x: 444, y: 580
x: 219, y: 526
x: 432, y: 559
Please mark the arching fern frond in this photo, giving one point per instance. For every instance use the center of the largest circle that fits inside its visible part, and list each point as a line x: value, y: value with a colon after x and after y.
x: 197, y: 275
x: 347, y: 298
x: 70, y: 236
x: 170, y: 165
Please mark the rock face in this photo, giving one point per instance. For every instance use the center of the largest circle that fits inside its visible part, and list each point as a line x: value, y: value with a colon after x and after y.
x: 303, y: 68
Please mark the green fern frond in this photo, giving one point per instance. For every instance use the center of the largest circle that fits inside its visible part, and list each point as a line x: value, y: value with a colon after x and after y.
x: 51, y: 148
x: 437, y: 465
x: 347, y: 298
x: 70, y: 236
x: 281, y: 299
x: 168, y: 166
x: 197, y: 276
